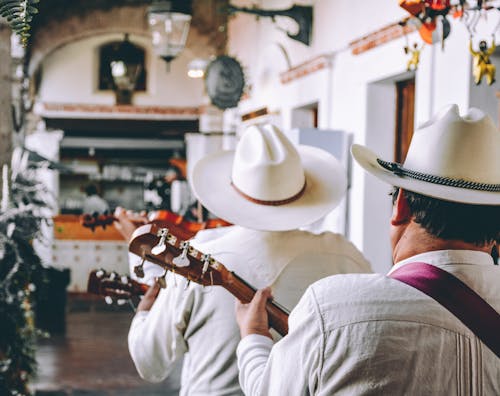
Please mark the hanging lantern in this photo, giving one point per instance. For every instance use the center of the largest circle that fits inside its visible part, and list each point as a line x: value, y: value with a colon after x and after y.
x: 126, y: 65
x: 169, y: 23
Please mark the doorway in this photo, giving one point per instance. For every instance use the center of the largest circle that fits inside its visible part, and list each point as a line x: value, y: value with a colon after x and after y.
x: 405, y: 118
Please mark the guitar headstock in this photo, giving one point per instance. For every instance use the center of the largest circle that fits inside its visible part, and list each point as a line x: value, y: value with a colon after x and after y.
x: 111, y: 284
x: 95, y: 220
x: 160, y: 246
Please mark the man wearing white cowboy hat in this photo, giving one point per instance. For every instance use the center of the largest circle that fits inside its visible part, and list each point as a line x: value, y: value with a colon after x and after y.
x: 268, y: 189
x: 431, y: 327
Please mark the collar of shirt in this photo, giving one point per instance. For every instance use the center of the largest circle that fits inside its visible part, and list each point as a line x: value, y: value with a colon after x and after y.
x: 442, y: 258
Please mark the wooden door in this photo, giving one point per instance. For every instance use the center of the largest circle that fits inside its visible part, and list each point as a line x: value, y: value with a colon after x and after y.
x: 405, y: 117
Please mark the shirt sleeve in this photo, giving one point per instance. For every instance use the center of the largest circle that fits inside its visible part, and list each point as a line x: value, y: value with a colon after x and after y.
x: 156, y: 337
x: 292, y: 366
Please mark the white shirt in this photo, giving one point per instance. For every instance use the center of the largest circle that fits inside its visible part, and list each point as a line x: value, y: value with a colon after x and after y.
x: 94, y: 204
x: 373, y: 335
x: 200, y: 322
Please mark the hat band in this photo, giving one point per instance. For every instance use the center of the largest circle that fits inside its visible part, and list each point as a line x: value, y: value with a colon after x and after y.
x: 398, y: 170
x: 271, y: 203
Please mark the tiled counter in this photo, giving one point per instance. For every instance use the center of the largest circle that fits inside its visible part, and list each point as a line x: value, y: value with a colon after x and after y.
x: 82, y: 250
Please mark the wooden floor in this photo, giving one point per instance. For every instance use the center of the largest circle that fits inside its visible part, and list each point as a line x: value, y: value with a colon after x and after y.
x: 92, y: 358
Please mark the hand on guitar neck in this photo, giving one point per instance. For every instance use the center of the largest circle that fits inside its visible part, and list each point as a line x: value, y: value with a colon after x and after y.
x: 252, y: 318
x: 126, y: 222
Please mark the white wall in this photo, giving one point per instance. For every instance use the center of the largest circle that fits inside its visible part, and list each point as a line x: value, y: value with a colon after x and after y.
x: 47, y: 145
x: 356, y: 94
x: 70, y: 75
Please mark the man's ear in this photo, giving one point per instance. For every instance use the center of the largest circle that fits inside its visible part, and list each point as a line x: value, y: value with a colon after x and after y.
x: 401, y: 211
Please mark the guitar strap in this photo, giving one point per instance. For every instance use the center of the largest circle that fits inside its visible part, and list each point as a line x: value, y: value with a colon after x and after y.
x: 456, y: 297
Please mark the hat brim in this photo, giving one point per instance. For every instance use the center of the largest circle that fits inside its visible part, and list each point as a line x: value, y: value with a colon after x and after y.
x: 367, y: 159
x: 326, y: 183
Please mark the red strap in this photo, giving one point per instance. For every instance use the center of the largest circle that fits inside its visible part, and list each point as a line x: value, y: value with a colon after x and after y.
x: 456, y: 297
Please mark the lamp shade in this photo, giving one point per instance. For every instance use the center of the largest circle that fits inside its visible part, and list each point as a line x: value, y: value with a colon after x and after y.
x: 169, y: 28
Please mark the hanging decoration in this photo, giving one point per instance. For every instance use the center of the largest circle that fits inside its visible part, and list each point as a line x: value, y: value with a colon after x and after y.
x: 414, y: 53
x: 19, y: 14
x: 481, y: 65
x: 430, y: 18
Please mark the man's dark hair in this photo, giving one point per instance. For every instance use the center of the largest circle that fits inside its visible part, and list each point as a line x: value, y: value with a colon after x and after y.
x: 91, y: 189
x: 478, y: 224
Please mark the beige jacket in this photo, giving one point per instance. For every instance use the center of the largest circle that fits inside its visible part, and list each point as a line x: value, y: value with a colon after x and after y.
x: 373, y: 335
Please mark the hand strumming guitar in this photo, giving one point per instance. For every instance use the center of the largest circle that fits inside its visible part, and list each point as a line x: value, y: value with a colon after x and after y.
x: 127, y: 222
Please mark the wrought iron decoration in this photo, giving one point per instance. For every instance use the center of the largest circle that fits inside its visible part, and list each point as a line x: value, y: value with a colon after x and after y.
x: 303, y: 15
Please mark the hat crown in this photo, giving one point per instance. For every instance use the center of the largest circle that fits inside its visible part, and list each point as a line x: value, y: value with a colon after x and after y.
x: 463, y: 148
x: 266, y: 165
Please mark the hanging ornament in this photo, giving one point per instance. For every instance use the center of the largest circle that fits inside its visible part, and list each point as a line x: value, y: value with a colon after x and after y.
x: 413, y: 50
x: 434, y: 27
x: 414, y: 60
x: 414, y: 7
x: 437, y: 5
x: 481, y: 63
x: 435, y: 30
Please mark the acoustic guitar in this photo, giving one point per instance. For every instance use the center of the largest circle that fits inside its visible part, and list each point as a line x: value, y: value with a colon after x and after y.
x: 162, y: 247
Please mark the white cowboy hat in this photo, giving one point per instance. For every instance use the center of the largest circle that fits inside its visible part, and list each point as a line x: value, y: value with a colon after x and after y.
x: 450, y: 157
x: 269, y: 184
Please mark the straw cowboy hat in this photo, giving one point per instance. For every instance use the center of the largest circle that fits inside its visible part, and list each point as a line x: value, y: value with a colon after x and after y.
x: 267, y: 183
x: 450, y: 157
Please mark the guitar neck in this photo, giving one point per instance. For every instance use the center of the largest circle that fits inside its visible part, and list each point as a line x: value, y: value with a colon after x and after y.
x: 278, y: 315
x: 165, y: 248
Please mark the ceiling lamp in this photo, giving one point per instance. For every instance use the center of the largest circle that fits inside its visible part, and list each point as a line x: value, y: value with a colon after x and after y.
x: 169, y: 23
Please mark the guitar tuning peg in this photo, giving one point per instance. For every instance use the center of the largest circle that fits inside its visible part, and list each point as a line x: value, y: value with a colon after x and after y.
x: 121, y: 301
x: 113, y: 275
x: 124, y: 280
x: 108, y: 300
x: 161, y: 246
x: 100, y: 273
x: 139, y: 269
x: 162, y: 280
x: 206, y: 262
x: 182, y: 260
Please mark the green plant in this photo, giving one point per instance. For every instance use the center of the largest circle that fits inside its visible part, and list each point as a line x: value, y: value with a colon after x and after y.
x: 23, y: 210
x: 19, y: 14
